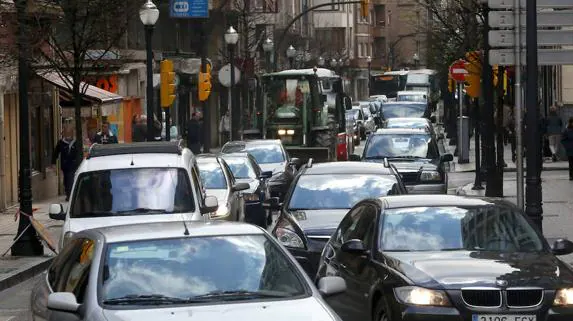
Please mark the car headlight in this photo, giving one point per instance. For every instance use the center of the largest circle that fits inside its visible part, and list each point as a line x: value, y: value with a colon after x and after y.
x: 67, y: 237
x: 251, y: 197
x: 415, y: 295
x: 281, y: 132
x: 285, y: 234
x: 430, y: 176
x: 563, y: 297
x: 221, y: 211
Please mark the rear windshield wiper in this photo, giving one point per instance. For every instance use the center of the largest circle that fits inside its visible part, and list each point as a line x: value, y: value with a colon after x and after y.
x: 146, y: 299
x: 143, y: 210
x: 240, y: 294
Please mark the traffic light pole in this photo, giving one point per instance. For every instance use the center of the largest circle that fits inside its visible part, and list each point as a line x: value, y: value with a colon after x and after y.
x: 460, y: 120
x: 149, y: 95
x: 204, y: 103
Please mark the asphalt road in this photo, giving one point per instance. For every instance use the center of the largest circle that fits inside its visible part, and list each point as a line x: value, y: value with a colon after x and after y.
x: 15, y: 301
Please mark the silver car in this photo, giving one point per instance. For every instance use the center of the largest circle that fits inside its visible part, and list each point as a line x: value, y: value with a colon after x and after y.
x: 176, y: 271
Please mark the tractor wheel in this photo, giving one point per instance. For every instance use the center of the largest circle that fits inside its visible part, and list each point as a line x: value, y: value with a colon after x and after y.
x: 327, y: 138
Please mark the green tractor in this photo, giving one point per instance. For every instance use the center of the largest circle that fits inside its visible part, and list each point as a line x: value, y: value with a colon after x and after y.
x: 305, y: 109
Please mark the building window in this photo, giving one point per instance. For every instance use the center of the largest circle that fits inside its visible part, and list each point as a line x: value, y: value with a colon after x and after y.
x: 332, y: 7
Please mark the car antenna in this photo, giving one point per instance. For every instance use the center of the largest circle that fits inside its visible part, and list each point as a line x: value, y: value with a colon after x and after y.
x: 186, y: 232
x: 132, y: 160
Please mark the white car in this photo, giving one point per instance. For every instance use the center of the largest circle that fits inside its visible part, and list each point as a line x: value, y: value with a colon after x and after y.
x: 413, y: 96
x: 180, y: 271
x: 134, y: 183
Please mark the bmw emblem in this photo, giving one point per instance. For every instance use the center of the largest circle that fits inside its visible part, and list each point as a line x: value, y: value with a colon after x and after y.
x: 501, y: 282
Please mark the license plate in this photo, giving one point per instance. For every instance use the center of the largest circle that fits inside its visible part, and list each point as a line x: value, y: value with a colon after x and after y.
x: 503, y: 317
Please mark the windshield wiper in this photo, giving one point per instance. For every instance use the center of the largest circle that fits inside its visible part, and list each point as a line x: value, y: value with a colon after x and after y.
x: 376, y: 157
x: 143, y: 210
x: 147, y: 299
x: 95, y: 214
x: 406, y: 157
x: 240, y: 294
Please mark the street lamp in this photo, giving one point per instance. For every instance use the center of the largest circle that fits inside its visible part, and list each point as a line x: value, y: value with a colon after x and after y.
x: 321, y: 61
x: 369, y: 61
x: 416, y: 59
x: 333, y: 62
x: 149, y: 15
x: 290, y: 53
x: 268, y: 47
x: 231, y: 39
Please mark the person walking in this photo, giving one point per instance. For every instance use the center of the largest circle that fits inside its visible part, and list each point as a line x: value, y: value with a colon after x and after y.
x: 67, y: 150
x: 553, y: 129
x: 105, y: 136
x: 567, y: 142
x: 225, y: 128
x: 194, y: 133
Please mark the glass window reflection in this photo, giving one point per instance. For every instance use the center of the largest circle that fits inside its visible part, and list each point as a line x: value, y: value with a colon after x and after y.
x: 399, y: 123
x: 212, y: 175
x: 401, y: 146
x: 489, y: 228
x: 241, y: 167
x: 189, y: 267
x: 128, y: 191
x: 266, y: 154
x: 403, y: 110
x: 339, y: 191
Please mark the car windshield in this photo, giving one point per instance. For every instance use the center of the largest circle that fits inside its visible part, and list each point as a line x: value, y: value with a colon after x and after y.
x: 401, y: 146
x: 338, y: 191
x: 132, y: 191
x: 412, y: 97
x: 353, y: 113
x: 400, y: 123
x: 485, y: 228
x: 198, y: 269
x: 241, y: 167
x: 403, y: 110
x: 212, y: 175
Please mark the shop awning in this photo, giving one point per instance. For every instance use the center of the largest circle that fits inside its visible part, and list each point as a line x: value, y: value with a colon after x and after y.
x: 90, y: 93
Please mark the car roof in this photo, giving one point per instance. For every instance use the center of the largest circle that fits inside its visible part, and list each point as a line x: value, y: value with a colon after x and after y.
x: 348, y: 168
x: 404, y: 103
x: 408, y: 119
x: 254, y: 142
x: 166, y: 230
x: 136, y: 161
x: 383, y: 131
x: 435, y: 200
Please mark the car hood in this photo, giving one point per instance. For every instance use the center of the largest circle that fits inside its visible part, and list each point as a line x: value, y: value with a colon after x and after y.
x: 456, y: 269
x: 407, y: 165
x: 220, y: 194
x: 253, y: 183
x: 319, y: 222
x: 273, y: 167
x: 280, y: 310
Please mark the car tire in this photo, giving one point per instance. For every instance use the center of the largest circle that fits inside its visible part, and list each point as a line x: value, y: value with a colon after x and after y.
x: 381, y: 311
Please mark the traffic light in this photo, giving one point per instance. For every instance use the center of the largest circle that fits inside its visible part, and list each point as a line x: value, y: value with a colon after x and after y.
x: 365, y: 8
x: 205, y: 83
x: 451, y: 85
x: 473, y: 77
x: 167, y: 83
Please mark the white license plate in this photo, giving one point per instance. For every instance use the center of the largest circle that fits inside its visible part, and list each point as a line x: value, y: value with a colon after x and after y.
x: 503, y: 317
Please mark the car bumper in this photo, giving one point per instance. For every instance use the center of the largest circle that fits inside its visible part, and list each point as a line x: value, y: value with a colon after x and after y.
x: 427, y: 189
x: 309, y: 260
x: 255, y: 213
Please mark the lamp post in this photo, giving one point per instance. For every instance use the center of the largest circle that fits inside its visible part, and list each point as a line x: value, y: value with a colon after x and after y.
x: 369, y: 61
x: 149, y: 15
x: 290, y: 53
x: 416, y: 59
x: 320, y: 61
x: 268, y: 47
x: 231, y: 39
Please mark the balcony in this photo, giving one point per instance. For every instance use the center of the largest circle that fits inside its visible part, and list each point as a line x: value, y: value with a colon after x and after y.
x: 379, y: 31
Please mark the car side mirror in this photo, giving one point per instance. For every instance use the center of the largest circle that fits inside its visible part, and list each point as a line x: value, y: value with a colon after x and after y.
x: 272, y: 203
x: 56, y: 212
x: 266, y: 175
x: 210, y: 205
x: 433, y: 119
x: 562, y: 247
x: 354, y: 158
x: 446, y: 158
x: 63, y: 302
x: 296, y: 162
x: 354, y: 246
x: 241, y: 187
x: 330, y: 285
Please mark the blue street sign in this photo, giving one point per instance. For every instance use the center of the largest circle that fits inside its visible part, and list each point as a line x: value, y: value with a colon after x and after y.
x: 189, y: 8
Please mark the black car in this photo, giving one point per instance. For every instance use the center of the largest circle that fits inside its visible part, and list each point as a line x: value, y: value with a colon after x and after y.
x: 246, y: 170
x: 416, y: 155
x: 446, y: 258
x: 319, y: 198
x: 271, y: 156
x: 395, y: 109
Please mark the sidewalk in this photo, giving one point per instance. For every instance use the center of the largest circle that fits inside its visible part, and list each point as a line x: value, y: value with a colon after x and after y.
x: 548, y: 165
x: 14, y: 270
x: 557, y: 192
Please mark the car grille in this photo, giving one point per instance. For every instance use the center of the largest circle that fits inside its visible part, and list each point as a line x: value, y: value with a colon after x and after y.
x: 482, y: 298
x: 409, y: 177
x: 521, y: 298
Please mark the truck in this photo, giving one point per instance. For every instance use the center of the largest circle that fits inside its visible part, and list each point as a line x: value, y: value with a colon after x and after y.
x: 305, y: 109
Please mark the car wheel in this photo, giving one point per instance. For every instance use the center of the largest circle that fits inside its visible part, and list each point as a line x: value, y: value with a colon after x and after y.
x: 381, y: 311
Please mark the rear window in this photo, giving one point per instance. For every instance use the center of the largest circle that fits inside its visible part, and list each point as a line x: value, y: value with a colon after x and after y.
x: 132, y: 191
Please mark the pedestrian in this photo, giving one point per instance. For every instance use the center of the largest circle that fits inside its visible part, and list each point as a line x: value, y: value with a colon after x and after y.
x: 567, y: 142
x: 554, y: 129
x: 140, y: 129
x: 194, y: 133
x: 67, y: 150
x: 225, y: 127
x: 105, y: 136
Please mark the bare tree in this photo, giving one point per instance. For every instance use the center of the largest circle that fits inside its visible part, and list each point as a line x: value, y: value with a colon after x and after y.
x: 329, y: 43
x: 393, y: 54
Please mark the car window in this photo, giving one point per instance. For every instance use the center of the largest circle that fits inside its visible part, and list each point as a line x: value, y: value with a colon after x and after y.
x: 401, y: 146
x: 229, y: 172
x: 207, y: 268
x: 240, y: 167
x: 255, y: 167
x: 212, y: 175
x: 397, y: 123
x: 485, y: 228
x: 198, y: 185
x: 266, y: 154
x: 361, y: 224
x: 403, y: 110
x: 131, y: 191
x: 72, y: 275
x: 410, y: 97
x: 338, y: 191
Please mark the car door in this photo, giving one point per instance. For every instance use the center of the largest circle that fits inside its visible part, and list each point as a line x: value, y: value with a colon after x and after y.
x: 235, y: 198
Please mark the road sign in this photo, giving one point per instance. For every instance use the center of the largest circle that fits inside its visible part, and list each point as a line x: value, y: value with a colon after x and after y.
x: 508, y: 4
x: 225, y: 75
x: 189, y: 8
x: 545, y: 57
x: 458, y: 70
x: 506, y: 38
x: 506, y: 19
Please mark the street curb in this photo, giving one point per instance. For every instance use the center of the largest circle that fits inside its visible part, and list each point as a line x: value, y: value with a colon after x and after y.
x: 513, y: 170
x: 25, y: 274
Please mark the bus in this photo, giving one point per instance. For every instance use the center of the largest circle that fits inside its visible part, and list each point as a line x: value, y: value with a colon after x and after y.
x: 388, y: 83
